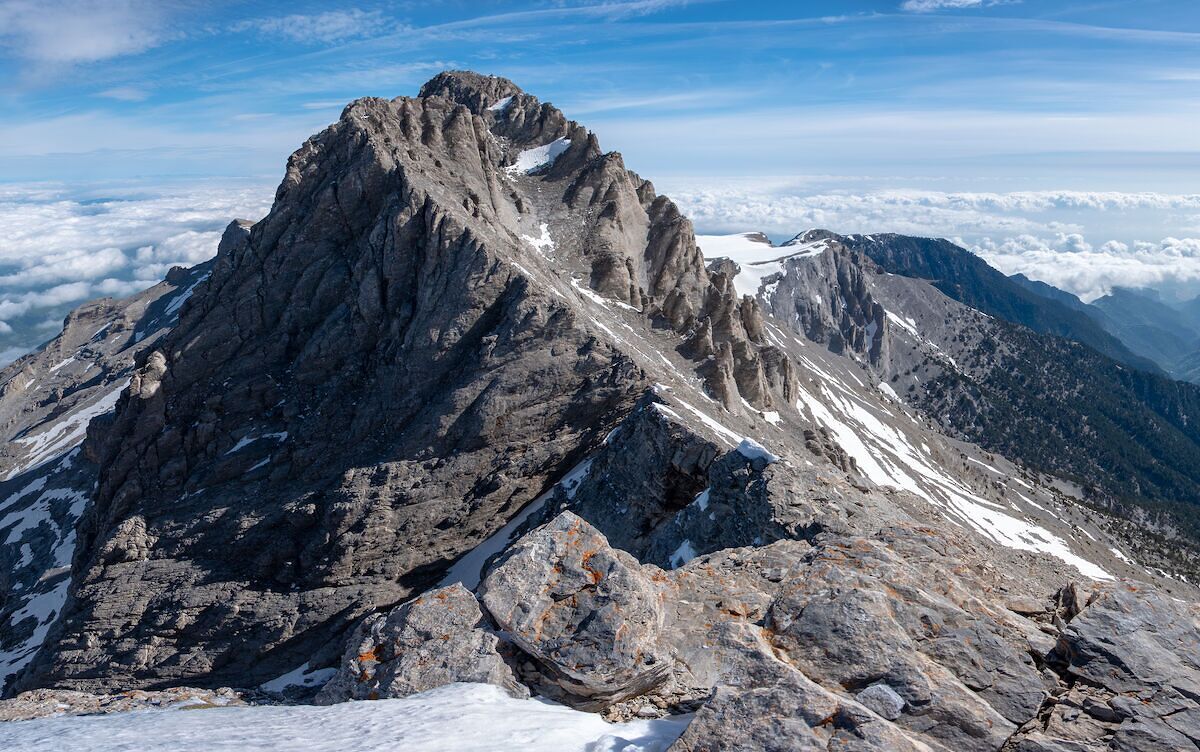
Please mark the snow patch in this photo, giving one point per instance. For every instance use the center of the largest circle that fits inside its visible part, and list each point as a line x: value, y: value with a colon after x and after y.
x: 247, y: 440
x: 887, y: 457
x: 756, y: 258
x: 178, y: 301
x: 683, y: 554
x: 501, y: 105
x: 300, y: 677
x: 454, y: 718
x: 888, y: 391
x: 65, y: 434
x: 543, y: 244
x: 538, y: 157
x: 752, y: 450
x: 62, y: 364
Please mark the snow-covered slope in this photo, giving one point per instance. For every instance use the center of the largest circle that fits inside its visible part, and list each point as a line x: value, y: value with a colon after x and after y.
x: 892, y: 444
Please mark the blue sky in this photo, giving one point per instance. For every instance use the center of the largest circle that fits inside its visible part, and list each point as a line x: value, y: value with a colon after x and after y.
x: 1041, y: 93
x: 1054, y: 137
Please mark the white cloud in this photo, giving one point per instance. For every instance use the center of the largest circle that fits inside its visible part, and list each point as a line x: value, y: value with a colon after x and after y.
x: 62, y: 248
x: 330, y: 26
x: 928, y: 6
x: 1173, y: 262
x: 79, y: 31
x: 1084, y: 242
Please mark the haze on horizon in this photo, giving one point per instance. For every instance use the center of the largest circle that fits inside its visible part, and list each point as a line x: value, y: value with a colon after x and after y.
x: 1054, y: 138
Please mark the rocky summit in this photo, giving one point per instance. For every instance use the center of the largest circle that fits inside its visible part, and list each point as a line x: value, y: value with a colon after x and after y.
x: 473, y: 403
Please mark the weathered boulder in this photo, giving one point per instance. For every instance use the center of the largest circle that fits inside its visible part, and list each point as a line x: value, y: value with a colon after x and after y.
x: 438, y: 638
x: 882, y: 699
x: 589, y: 614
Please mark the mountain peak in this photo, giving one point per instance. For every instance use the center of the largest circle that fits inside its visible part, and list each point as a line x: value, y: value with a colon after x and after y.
x: 475, y: 90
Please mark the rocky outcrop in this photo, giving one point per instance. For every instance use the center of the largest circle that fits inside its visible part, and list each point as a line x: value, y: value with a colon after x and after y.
x: 47, y: 400
x: 649, y: 468
x: 589, y: 614
x: 792, y: 715
x: 827, y: 298
x: 437, y: 638
x: 746, y: 503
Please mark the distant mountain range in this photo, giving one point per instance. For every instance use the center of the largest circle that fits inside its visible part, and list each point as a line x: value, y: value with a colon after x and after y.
x: 1167, y: 333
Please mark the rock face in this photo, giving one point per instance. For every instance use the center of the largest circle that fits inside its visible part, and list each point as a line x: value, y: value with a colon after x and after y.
x: 430, y: 287
x: 828, y: 298
x: 435, y: 639
x: 586, y: 612
x: 41, y: 703
x: 790, y: 716
x: 648, y: 469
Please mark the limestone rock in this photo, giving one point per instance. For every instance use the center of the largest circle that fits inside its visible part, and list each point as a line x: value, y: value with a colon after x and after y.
x: 588, y: 613
x: 1132, y: 654
x: 435, y: 639
x: 793, y: 715
x: 883, y: 700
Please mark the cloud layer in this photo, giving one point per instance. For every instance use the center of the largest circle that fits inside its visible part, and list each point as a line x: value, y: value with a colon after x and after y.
x: 1081, y: 241
x: 61, y: 247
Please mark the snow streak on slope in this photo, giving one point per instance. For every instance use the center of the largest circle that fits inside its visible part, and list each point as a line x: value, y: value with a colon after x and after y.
x: 40, y: 515
x: 469, y: 568
x: 65, y: 434
x: 454, y: 718
x: 871, y: 434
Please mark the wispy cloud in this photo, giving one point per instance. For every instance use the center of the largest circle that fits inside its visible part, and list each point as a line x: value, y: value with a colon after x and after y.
x: 330, y: 26
x: 669, y: 100
x: 125, y: 94
x: 80, y: 31
x: 928, y: 6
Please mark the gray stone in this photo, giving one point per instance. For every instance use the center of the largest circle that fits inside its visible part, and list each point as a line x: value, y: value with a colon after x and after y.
x: 435, y: 639
x: 586, y: 612
x: 883, y: 700
x: 42, y: 703
x: 792, y: 715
